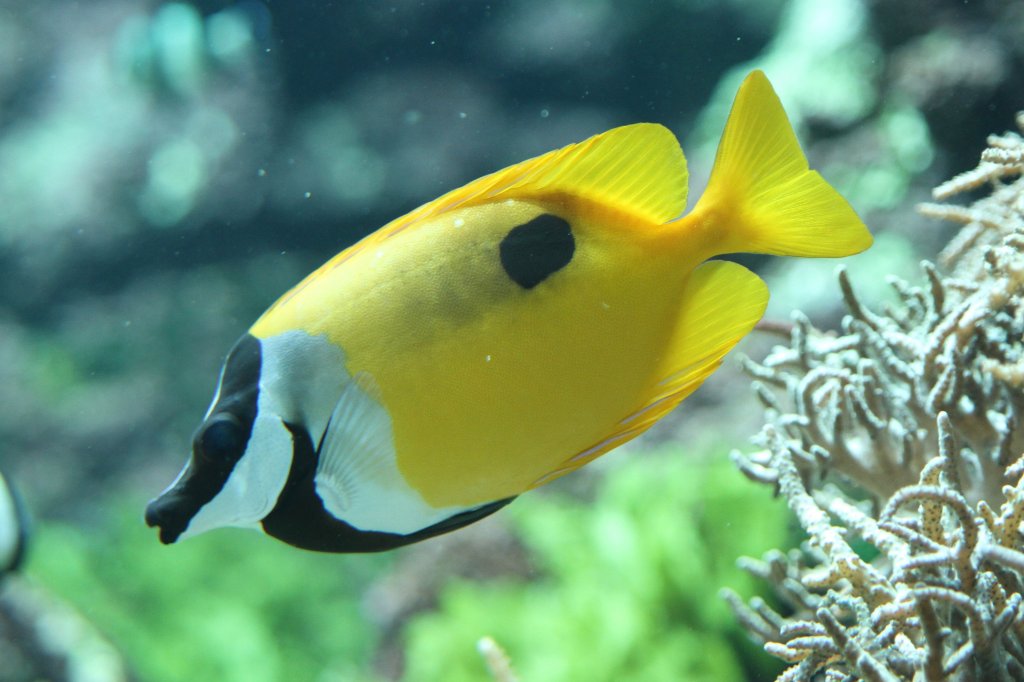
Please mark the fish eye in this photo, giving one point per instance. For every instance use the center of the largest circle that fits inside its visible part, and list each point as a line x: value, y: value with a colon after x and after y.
x: 221, y: 441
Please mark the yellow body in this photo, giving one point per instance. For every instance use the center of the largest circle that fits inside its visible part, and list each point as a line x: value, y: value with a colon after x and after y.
x: 493, y: 388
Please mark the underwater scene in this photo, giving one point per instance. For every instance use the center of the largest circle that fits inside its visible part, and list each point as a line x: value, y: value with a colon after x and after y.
x: 534, y: 341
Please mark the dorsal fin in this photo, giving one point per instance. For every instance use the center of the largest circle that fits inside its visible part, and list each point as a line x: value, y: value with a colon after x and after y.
x: 638, y: 169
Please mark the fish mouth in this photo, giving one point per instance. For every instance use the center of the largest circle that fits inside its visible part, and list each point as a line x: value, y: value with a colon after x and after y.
x: 169, y: 513
x: 173, y: 510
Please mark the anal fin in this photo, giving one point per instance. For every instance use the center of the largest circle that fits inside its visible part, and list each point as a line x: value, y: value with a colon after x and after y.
x: 720, y: 305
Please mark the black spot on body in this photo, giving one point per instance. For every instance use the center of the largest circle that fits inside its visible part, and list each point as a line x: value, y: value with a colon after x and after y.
x: 533, y: 251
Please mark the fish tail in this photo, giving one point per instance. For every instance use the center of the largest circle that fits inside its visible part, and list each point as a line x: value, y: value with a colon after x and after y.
x: 762, y: 196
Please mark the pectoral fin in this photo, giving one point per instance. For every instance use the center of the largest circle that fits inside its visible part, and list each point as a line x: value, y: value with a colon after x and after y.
x: 357, y: 475
x: 355, y: 448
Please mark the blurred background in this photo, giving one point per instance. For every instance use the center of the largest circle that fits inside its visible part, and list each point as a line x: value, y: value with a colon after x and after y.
x: 167, y: 169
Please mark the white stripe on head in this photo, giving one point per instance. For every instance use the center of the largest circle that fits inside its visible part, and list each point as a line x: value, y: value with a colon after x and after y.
x: 304, y: 382
x: 298, y: 374
x: 251, y: 490
x: 357, y: 477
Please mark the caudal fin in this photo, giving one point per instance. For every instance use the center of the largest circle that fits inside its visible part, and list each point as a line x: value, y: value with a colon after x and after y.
x: 762, y: 197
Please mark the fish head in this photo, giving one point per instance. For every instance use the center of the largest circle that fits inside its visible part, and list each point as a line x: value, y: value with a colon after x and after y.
x: 241, y: 456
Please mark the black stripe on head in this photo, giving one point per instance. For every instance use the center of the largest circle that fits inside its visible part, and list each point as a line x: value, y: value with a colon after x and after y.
x: 533, y: 251
x: 301, y: 520
x: 217, y: 445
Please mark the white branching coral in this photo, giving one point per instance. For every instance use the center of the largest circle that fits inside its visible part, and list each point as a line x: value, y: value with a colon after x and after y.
x: 899, y: 446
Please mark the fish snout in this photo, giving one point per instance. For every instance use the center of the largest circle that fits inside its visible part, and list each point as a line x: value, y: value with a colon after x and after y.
x: 168, y: 514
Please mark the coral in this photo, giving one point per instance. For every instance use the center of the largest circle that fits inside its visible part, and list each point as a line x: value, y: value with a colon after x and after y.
x: 42, y: 637
x: 898, y: 444
x: 617, y: 588
x: 496, y: 659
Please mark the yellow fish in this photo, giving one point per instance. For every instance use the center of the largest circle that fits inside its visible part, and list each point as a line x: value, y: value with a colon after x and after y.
x: 500, y: 336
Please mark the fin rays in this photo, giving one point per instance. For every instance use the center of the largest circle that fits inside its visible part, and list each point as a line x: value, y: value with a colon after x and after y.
x: 720, y: 305
x: 356, y: 446
x: 763, y: 198
x: 638, y: 168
